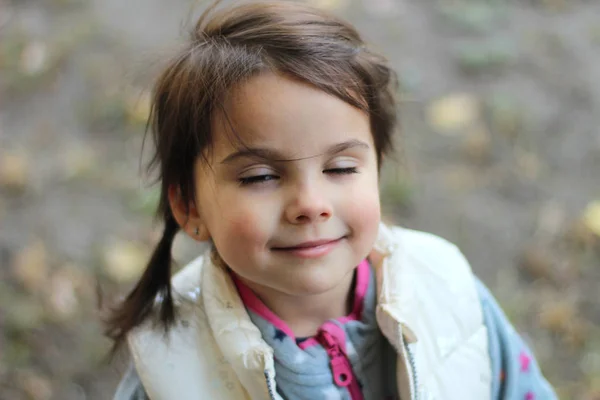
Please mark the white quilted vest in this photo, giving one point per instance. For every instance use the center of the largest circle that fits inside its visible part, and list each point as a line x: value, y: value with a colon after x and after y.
x: 428, y: 308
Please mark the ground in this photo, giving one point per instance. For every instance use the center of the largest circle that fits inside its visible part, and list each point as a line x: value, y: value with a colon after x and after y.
x: 499, y: 152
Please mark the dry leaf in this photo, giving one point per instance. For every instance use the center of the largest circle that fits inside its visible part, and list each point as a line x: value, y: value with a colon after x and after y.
x: 125, y: 261
x: 558, y: 316
x: 61, y: 294
x: 30, y: 267
x: 138, y: 104
x: 452, y: 113
x: 34, y: 58
x: 591, y: 217
x: 14, y: 171
x: 537, y: 263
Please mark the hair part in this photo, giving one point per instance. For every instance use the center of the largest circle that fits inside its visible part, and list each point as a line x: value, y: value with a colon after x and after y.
x: 226, y: 48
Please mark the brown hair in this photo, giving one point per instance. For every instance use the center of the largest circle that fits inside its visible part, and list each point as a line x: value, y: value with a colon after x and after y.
x: 226, y: 48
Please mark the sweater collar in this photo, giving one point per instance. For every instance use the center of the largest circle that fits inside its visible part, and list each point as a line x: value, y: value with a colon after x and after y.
x: 253, y: 303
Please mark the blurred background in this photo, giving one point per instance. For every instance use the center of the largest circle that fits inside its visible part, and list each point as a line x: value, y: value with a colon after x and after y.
x: 499, y: 153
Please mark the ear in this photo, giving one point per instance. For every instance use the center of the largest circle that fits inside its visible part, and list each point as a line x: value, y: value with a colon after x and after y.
x: 187, y: 216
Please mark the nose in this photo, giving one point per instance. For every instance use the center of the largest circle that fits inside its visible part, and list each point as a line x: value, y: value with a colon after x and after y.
x: 308, y: 204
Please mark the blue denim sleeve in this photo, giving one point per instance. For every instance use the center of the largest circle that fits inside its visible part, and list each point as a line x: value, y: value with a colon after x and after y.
x: 516, y: 374
x: 130, y: 387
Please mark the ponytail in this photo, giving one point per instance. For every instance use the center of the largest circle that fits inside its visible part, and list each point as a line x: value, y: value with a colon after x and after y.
x: 154, y: 287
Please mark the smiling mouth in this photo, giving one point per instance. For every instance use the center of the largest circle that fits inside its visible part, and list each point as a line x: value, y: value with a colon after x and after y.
x: 312, y: 249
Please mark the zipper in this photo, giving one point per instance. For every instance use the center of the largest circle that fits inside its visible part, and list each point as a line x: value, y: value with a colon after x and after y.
x: 341, y: 368
x: 413, y: 367
x: 269, y: 386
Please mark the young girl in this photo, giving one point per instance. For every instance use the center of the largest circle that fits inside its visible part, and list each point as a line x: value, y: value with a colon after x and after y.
x: 270, y: 129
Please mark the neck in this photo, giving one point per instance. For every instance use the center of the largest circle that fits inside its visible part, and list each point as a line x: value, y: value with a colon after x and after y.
x: 305, y: 314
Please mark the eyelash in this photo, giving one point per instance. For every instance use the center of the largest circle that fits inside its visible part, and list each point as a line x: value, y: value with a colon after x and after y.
x: 266, y: 178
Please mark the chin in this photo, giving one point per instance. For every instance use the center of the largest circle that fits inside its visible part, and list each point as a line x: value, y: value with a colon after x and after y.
x: 315, y: 284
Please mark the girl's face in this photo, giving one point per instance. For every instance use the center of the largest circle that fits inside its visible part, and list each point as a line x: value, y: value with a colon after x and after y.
x: 298, y: 208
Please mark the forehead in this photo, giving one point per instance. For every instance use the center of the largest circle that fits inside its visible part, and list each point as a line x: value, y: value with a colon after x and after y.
x: 272, y: 110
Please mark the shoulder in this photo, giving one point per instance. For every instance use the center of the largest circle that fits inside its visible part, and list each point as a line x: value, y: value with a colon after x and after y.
x: 431, y: 253
x: 427, y: 267
x: 421, y: 244
x: 433, y: 292
x: 174, y: 355
x: 430, y: 280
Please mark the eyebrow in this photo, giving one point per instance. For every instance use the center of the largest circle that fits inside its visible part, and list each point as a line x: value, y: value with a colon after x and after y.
x: 275, y: 155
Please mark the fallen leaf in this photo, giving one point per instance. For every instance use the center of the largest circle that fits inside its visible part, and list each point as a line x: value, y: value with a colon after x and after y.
x: 452, y: 113
x: 125, y: 261
x: 558, y: 316
x: 34, y: 58
x: 591, y: 217
x: 61, y: 295
x: 537, y: 263
x: 138, y: 104
x: 30, y: 267
x: 14, y: 171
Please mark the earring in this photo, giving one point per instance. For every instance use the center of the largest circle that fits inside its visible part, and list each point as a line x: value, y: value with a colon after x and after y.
x: 197, y: 231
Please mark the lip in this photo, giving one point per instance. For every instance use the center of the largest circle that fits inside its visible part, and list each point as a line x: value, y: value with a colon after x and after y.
x: 311, y: 249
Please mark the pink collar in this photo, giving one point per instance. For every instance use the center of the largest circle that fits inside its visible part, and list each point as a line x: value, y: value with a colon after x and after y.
x: 252, y: 302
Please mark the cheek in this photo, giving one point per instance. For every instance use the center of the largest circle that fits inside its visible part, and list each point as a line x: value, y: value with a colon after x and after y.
x: 368, y: 214
x: 245, y: 227
x: 242, y: 226
x: 362, y: 200
x: 364, y: 210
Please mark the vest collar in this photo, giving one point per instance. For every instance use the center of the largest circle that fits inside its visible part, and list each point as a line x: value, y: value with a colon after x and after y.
x: 238, y: 339
x: 227, y: 316
x: 395, y: 287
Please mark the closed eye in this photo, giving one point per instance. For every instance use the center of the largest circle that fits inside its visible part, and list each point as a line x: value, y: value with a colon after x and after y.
x: 257, y: 179
x: 342, y: 171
